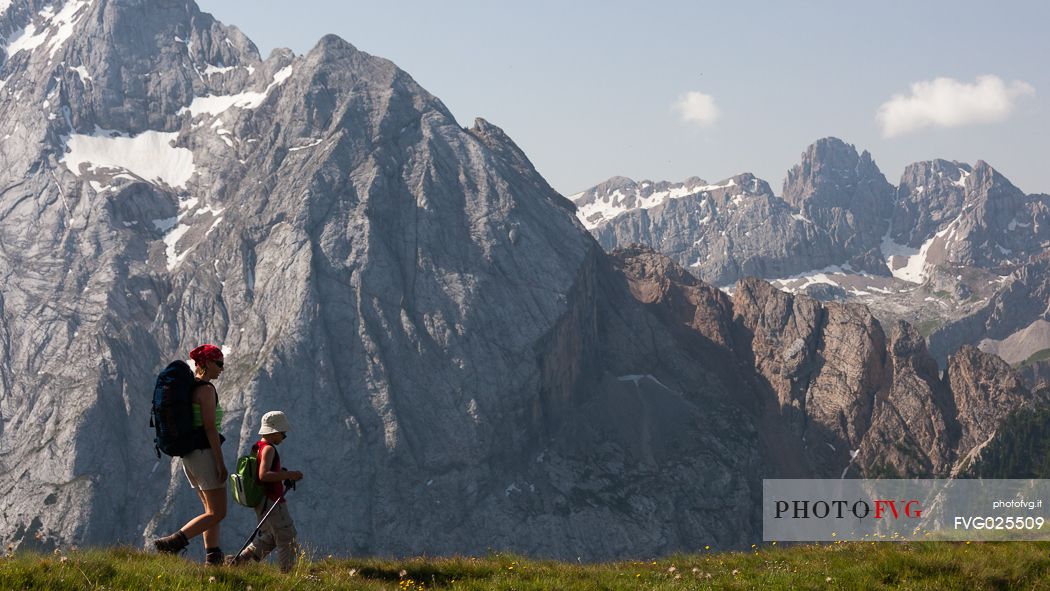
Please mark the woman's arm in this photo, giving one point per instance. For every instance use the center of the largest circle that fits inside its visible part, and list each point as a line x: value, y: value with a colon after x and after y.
x: 206, y: 397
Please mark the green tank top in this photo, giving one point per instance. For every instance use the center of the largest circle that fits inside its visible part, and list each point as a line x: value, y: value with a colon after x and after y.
x: 198, y: 421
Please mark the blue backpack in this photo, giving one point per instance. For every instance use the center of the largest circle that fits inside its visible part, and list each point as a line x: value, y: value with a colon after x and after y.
x: 172, y: 414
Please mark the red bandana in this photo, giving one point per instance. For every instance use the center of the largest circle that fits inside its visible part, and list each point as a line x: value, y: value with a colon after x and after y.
x: 205, y: 353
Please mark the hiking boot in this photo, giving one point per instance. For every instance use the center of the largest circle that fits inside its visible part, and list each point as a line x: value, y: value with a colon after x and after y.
x: 214, y: 557
x: 242, y: 558
x: 172, y: 544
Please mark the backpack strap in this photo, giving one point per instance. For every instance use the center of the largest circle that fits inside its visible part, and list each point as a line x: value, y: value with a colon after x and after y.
x: 197, y: 383
x: 258, y: 450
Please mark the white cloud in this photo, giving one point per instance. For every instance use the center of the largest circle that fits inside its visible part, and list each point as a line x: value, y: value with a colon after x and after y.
x: 945, y: 102
x: 697, y: 107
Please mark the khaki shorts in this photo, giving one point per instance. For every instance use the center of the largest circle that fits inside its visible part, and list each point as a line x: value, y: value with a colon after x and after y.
x: 199, y: 466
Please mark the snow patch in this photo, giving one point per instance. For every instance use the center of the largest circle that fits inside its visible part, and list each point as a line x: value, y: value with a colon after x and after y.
x: 171, y: 239
x: 310, y: 145
x: 212, y: 69
x: 215, y: 104
x: 963, y: 175
x: 814, y: 277
x: 636, y: 378
x: 607, y: 207
x: 56, y: 30
x: 150, y: 155
x: 852, y: 456
x: 910, y: 264
x: 282, y: 75
x: 213, y: 226
x: 66, y: 20
x: 27, y: 39
x: 83, y: 73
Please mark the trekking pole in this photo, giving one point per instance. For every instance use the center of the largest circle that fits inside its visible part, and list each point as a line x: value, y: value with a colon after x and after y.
x: 258, y: 527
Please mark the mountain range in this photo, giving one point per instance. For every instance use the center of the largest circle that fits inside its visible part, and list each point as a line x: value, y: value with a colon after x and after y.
x: 941, y: 249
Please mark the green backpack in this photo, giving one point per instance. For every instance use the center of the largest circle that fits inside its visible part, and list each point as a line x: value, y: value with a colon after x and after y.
x: 244, y: 482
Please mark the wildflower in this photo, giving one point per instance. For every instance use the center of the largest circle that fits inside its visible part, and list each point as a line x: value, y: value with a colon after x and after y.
x: 63, y: 559
x: 353, y: 572
x: 774, y: 543
x: 671, y: 569
x: 827, y: 580
x: 211, y: 579
x: 402, y: 573
x: 676, y: 577
x: 707, y: 547
x: 736, y: 571
x: 695, y: 570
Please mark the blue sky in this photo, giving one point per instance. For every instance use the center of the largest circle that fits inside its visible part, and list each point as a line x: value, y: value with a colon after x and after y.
x: 595, y: 89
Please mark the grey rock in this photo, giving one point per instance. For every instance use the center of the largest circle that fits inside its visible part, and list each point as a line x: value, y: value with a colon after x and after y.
x: 1023, y: 300
x: 721, y: 232
x: 930, y: 195
x: 843, y: 192
x: 914, y: 427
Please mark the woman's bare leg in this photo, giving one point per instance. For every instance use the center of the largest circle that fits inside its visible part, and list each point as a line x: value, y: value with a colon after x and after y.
x: 214, y: 502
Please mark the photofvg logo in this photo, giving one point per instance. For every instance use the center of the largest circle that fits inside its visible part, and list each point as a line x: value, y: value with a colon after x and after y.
x: 899, y: 510
x: 838, y: 509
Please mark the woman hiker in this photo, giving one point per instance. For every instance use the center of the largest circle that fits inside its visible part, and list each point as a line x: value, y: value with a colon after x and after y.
x: 204, y: 466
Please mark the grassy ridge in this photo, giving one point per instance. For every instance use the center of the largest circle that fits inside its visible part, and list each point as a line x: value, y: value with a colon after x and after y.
x: 924, y: 565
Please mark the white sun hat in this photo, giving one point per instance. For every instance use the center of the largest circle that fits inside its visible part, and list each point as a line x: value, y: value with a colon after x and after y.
x: 274, y: 422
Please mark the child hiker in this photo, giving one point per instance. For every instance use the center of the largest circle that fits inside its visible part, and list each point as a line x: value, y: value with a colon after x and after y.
x: 278, y: 531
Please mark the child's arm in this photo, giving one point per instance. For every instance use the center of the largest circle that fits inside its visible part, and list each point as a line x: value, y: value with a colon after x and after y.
x: 266, y: 457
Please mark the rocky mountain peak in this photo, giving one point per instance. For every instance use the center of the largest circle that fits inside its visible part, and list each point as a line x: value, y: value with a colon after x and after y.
x: 845, y: 190
x: 930, y: 195
x: 504, y: 147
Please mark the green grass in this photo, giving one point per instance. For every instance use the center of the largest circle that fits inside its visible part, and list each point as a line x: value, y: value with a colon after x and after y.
x: 926, y: 327
x: 1040, y: 355
x: 849, y: 565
